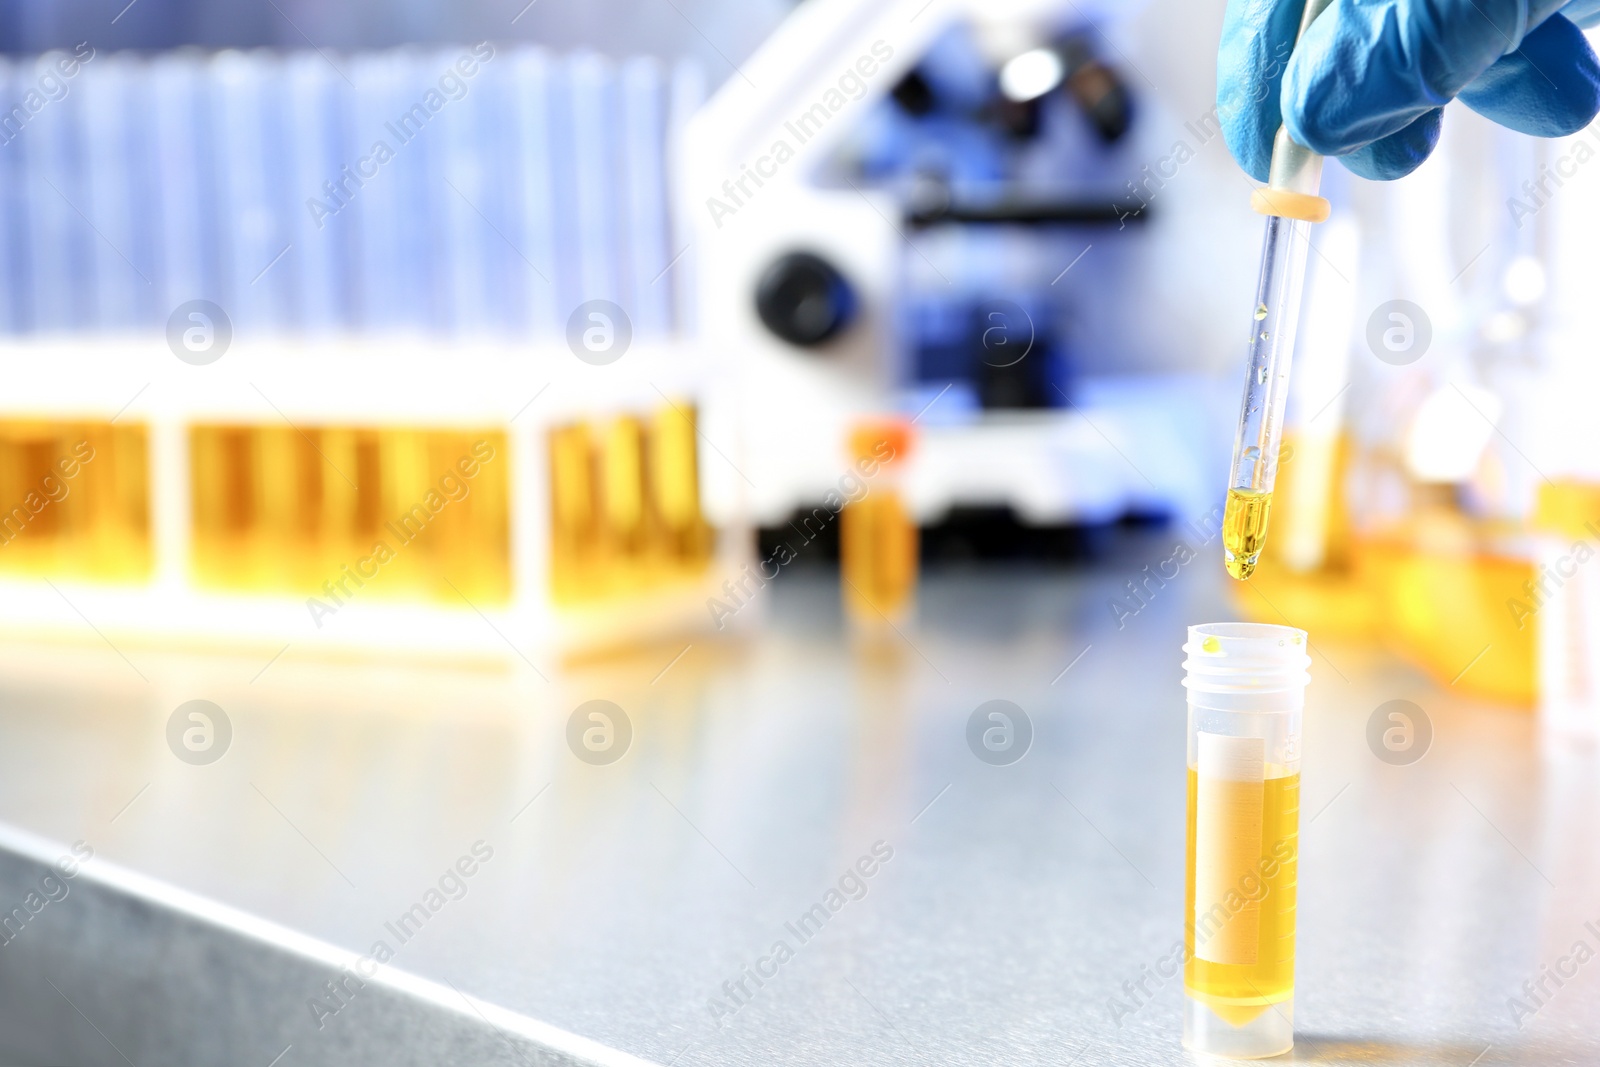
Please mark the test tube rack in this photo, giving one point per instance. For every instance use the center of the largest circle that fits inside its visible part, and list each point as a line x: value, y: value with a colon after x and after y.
x: 473, y: 501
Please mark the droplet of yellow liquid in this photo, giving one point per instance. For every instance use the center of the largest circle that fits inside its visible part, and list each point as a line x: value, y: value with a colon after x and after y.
x: 1261, y: 312
x: 1244, y: 530
x: 1211, y: 644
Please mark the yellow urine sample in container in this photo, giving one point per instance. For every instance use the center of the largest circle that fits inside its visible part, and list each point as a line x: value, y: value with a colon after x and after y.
x: 288, y: 490
x: 223, y: 539
x: 675, y: 488
x: 1244, y: 530
x: 878, y: 556
x: 878, y: 552
x: 625, y: 516
x: 341, y: 511
x: 75, y: 499
x: 574, y: 515
x: 1243, y: 848
x: 467, y: 545
x: 623, y: 497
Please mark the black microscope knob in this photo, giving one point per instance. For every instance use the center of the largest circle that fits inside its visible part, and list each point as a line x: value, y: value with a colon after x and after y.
x: 803, y: 299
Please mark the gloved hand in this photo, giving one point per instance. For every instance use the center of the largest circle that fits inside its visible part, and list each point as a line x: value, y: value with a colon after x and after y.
x: 1369, y: 79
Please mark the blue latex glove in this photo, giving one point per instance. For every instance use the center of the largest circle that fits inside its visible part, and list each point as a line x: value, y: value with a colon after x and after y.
x: 1369, y: 79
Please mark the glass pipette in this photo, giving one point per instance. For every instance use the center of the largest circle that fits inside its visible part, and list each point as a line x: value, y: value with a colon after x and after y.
x: 1291, y: 204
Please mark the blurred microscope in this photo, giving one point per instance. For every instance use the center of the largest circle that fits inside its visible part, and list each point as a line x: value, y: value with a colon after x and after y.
x: 923, y: 208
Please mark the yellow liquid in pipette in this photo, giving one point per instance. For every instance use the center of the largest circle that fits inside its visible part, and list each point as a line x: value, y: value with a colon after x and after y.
x: 1238, y: 992
x: 1244, y: 530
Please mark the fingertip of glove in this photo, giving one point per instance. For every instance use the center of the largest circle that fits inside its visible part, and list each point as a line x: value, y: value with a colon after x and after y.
x: 1398, y: 154
x: 1245, y: 141
x: 1549, y: 87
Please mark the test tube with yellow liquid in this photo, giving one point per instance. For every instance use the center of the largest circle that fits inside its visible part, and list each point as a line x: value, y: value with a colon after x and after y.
x: 684, y: 539
x: 623, y: 511
x: 877, y: 537
x: 574, y: 515
x: 1246, y: 684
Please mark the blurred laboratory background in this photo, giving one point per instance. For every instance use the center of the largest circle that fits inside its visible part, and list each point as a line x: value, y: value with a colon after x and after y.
x: 1015, y: 233
x: 361, y: 361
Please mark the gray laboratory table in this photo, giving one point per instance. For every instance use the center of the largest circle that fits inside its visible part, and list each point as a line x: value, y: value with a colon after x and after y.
x: 1014, y: 914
